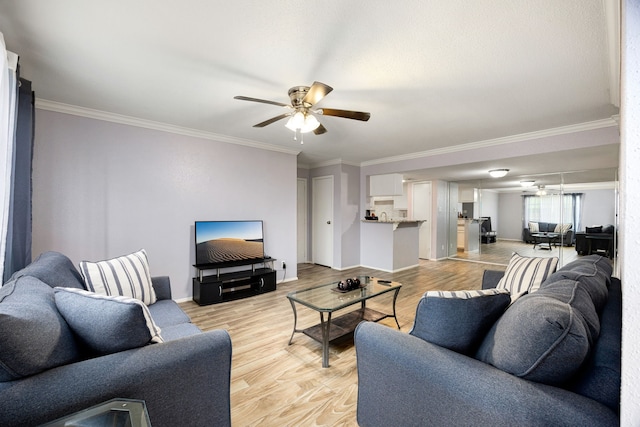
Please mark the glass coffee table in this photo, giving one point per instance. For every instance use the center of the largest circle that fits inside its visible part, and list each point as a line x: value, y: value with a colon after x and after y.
x: 327, y: 299
x: 542, y: 238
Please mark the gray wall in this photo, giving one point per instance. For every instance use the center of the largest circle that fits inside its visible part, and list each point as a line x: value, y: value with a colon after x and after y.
x: 510, y: 208
x: 102, y: 189
x: 598, y: 208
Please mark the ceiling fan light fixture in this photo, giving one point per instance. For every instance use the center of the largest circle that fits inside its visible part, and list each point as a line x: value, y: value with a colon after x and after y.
x: 541, y: 191
x: 498, y: 173
x: 302, y: 122
x: 527, y: 183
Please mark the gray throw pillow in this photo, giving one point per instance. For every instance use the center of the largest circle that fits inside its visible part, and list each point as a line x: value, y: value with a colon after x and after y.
x: 107, y: 324
x: 33, y: 335
x: 458, y: 320
x: 54, y: 269
x: 544, y: 336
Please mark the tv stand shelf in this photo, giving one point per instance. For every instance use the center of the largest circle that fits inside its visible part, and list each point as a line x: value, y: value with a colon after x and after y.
x: 228, y: 286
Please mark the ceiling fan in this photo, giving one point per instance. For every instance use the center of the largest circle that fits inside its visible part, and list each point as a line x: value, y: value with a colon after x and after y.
x: 301, y: 110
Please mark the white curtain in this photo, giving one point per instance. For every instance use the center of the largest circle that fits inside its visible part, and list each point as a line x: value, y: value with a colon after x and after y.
x: 8, y: 96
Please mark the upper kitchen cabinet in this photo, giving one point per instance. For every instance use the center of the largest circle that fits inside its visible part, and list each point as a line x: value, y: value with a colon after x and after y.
x: 385, y: 185
x: 467, y: 195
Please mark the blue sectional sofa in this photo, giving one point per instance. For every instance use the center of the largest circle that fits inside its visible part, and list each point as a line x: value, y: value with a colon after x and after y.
x: 573, y: 377
x: 47, y: 372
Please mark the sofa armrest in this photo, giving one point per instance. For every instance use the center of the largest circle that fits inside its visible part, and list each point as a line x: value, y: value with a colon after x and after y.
x: 490, y: 278
x: 183, y: 382
x: 162, y: 287
x: 403, y: 380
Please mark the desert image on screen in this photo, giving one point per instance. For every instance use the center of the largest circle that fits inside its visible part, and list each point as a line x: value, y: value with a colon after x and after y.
x: 228, y: 249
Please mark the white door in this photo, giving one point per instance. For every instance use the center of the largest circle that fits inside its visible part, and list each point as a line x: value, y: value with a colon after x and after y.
x: 421, y: 196
x: 302, y: 221
x: 322, y: 220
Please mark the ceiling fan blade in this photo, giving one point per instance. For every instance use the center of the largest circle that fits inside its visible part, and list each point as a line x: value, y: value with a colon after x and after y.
x: 317, y: 91
x: 264, y: 101
x: 355, y: 115
x: 271, y: 120
x: 320, y: 130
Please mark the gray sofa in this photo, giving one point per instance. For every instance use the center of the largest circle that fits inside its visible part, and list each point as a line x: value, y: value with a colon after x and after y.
x: 567, y: 237
x: 46, y: 372
x: 405, y: 380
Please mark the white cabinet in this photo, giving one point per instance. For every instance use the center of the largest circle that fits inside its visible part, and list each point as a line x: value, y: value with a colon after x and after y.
x: 467, y: 195
x: 401, y: 202
x: 385, y: 185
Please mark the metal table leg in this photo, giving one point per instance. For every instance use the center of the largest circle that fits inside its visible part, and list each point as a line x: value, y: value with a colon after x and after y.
x: 295, y: 321
x: 325, y: 327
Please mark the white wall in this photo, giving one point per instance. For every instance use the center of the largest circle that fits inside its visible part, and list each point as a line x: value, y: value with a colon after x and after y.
x: 630, y: 213
x: 489, y: 207
x: 102, y: 190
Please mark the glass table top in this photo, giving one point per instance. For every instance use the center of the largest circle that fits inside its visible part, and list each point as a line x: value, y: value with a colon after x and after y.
x: 327, y: 298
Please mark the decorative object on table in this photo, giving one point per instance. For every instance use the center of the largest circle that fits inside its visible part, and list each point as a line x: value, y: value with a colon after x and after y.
x: 348, y: 285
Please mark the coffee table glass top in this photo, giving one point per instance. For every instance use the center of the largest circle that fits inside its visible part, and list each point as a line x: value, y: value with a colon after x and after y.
x: 325, y: 298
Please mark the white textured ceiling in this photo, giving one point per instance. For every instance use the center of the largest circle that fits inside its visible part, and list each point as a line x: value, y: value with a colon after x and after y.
x: 433, y: 74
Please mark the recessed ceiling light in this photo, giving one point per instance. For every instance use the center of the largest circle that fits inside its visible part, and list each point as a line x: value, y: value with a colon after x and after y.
x: 498, y: 173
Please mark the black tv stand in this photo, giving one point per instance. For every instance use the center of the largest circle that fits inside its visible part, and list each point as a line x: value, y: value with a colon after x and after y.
x: 225, y: 286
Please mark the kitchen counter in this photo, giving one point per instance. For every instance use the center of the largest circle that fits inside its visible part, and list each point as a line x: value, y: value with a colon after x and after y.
x: 390, y: 245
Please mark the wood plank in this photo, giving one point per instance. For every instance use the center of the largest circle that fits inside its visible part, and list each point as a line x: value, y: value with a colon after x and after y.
x: 276, y: 384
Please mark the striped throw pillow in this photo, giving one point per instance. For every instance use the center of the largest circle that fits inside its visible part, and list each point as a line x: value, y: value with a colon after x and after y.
x: 525, y: 274
x: 107, y: 324
x: 534, y: 227
x: 123, y: 276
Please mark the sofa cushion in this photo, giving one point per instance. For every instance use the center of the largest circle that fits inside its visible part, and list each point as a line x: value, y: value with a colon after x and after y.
x: 167, y: 313
x: 107, y: 324
x: 596, y: 229
x: 600, y: 376
x: 125, y: 276
x: 526, y: 274
x: 594, y: 274
x: 544, y: 336
x: 534, y: 227
x: 182, y: 330
x: 54, y: 269
x: 458, y: 320
x: 33, y: 335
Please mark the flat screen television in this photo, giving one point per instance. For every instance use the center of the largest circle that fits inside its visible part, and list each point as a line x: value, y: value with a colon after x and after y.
x: 228, y: 242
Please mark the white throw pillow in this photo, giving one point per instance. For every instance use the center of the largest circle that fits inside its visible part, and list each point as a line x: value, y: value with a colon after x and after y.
x: 562, y: 228
x: 124, y: 276
x: 525, y: 274
x: 533, y: 227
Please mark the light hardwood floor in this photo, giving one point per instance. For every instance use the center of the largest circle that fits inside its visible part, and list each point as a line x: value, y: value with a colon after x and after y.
x: 276, y: 384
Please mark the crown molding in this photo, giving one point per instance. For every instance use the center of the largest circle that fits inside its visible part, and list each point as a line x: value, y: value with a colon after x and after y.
x: 563, y: 130
x: 74, y: 110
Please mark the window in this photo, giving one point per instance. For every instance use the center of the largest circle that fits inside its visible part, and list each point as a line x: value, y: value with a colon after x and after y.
x: 554, y: 208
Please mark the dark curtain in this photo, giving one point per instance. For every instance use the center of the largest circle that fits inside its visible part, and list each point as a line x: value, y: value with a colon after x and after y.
x: 18, y: 253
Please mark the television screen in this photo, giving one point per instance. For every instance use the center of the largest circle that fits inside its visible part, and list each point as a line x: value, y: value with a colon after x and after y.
x: 228, y: 241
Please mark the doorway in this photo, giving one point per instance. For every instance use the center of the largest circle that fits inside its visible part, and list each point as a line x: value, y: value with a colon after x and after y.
x: 322, y: 220
x: 421, y: 197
